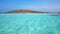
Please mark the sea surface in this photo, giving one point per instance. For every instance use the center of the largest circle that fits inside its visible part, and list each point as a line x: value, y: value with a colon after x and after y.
x: 29, y: 24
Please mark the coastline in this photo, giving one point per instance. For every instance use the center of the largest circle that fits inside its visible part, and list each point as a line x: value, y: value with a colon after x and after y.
x: 28, y: 14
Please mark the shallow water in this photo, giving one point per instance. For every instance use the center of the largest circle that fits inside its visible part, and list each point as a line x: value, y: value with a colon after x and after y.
x: 30, y: 24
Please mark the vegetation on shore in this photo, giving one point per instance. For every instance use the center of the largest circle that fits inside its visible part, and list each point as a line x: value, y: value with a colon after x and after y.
x: 30, y: 11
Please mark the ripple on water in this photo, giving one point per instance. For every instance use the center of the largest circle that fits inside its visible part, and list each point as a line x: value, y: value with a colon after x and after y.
x: 29, y: 24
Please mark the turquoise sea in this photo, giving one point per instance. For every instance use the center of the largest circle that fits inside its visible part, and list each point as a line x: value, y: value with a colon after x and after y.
x: 30, y: 24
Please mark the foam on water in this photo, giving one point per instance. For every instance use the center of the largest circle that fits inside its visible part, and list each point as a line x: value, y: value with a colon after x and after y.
x: 30, y: 24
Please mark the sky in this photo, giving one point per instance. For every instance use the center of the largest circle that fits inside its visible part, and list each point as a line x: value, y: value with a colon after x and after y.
x: 39, y: 5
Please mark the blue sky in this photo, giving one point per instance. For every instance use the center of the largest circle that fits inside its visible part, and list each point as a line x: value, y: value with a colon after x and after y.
x: 39, y: 5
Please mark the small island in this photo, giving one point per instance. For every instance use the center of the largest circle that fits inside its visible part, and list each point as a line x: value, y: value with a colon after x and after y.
x: 30, y: 11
